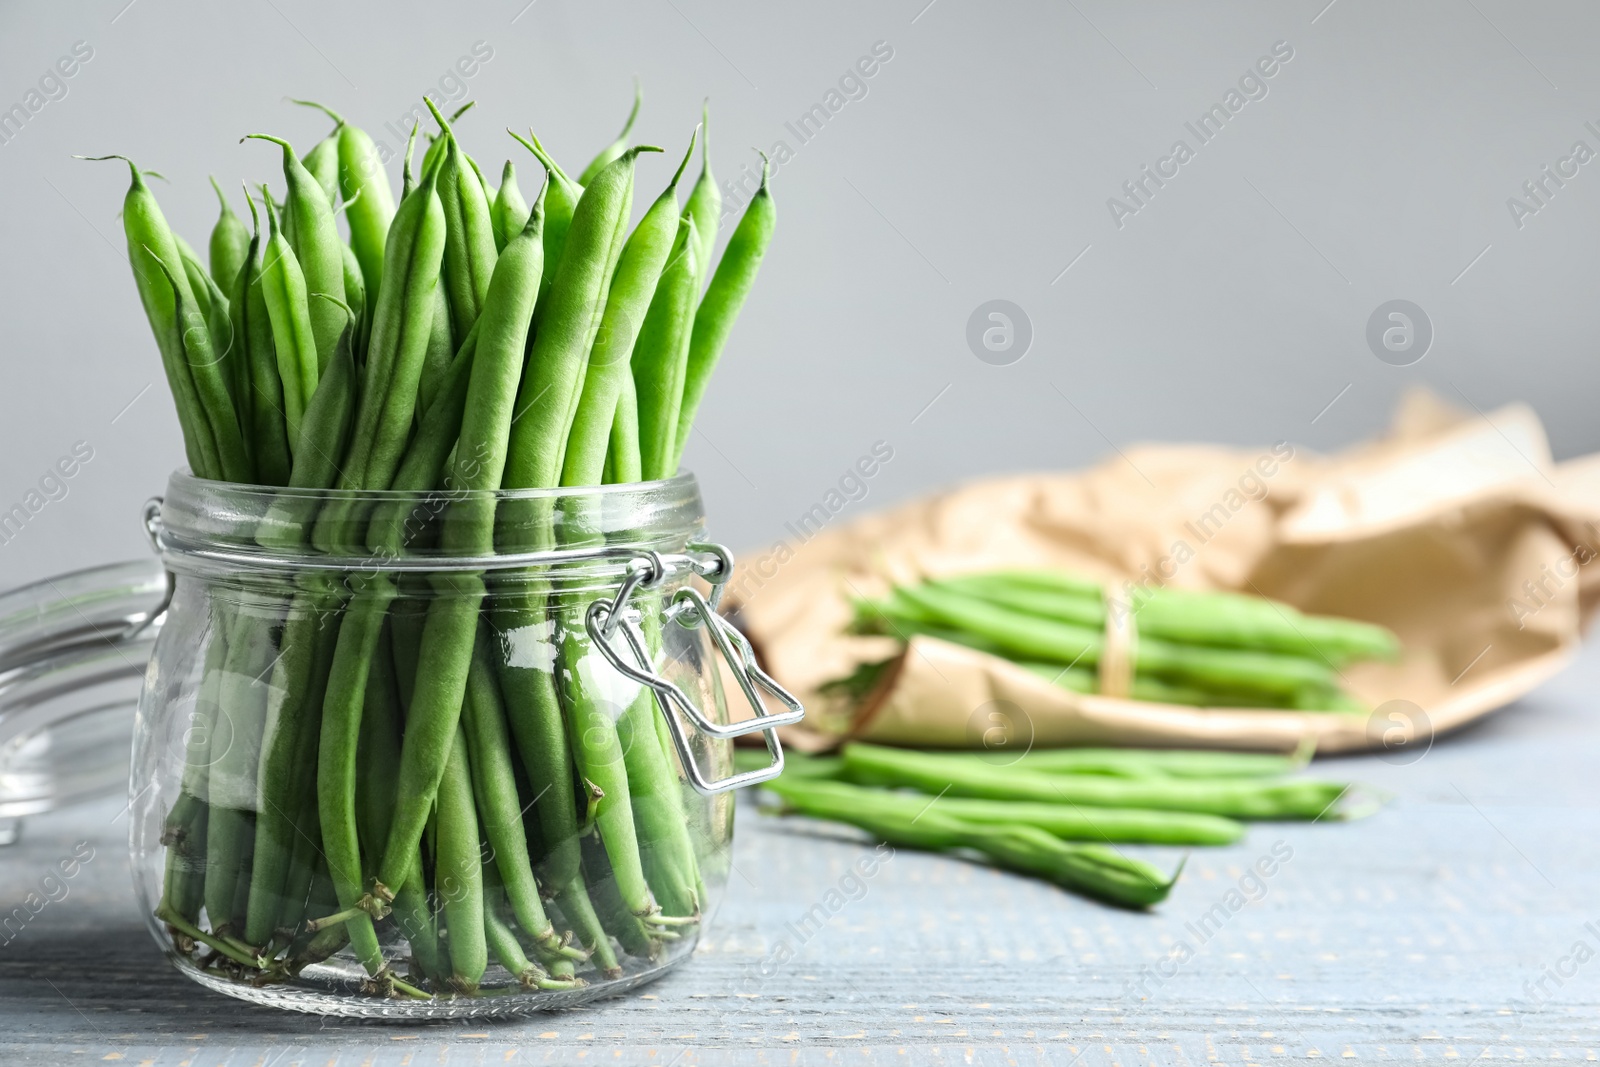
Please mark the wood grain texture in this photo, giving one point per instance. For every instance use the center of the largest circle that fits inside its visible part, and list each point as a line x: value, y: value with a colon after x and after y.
x: 1419, y: 933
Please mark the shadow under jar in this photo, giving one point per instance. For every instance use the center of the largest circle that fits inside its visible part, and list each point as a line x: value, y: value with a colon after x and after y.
x: 382, y: 769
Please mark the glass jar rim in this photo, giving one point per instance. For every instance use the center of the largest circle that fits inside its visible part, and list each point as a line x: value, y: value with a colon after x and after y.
x: 209, y: 526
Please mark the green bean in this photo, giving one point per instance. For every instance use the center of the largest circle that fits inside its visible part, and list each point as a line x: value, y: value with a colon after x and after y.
x: 638, y: 270
x: 510, y: 211
x: 705, y: 202
x: 460, y: 870
x: 445, y: 656
x: 315, y: 238
x: 368, y: 203
x: 214, y: 307
x: 1228, y: 620
x: 969, y: 776
x: 359, y: 632
x: 322, y: 163
x: 495, y: 786
x: 325, y: 429
x: 1038, y: 638
x: 399, y: 340
x: 377, y: 754
x: 288, y: 757
x: 417, y: 923
x: 355, y: 290
x: 660, y: 823
x: 624, y: 447
x: 408, y: 181
x: 1067, y: 821
x: 284, y: 287
x: 230, y: 243
x: 610, y: 152
x: 578, y: 910
x: 231, y: 788
x: 252, y: 328
x: 561, y: 202
x: 184, y: 835
x: 440, y: 353
x: 469, y: 251
x: 661, y: 356
x: 1175, y: 763
x: 1093, y: 870
x: 436, y: 145
x: 503, y: 942
x: 212, y: 441
x: 725, y: 297
x: 606, y: 894
x: 489, y: 191
x: 211, y: 381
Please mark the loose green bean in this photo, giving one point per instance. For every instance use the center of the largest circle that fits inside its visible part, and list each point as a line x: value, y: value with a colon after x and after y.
x: 964, y: 775
x: 1070, y: 822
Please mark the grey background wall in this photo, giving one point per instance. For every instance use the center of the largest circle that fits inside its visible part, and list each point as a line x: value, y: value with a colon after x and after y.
x: 975, y: 164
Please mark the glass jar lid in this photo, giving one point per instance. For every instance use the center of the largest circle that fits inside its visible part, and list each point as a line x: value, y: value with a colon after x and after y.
x: 73, y: 652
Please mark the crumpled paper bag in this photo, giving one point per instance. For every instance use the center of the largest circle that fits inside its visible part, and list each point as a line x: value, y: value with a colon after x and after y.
x: 1457, y: 531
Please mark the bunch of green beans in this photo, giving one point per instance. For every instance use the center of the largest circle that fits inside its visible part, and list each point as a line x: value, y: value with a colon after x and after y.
x: 1057, y: 814
x: 1201, y: 649
x: 391, y: 774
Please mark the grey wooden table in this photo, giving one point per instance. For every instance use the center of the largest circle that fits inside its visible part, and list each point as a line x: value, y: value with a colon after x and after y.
x: 1459, y: 922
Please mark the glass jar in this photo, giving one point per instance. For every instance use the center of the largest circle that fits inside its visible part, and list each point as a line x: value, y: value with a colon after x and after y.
x: 384, y: 769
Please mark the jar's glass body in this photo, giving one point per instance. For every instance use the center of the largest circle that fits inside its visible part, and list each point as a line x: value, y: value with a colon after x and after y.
x: 420, y: 745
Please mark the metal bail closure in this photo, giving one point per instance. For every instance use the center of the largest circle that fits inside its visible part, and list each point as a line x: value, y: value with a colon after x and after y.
x: 689, y: 609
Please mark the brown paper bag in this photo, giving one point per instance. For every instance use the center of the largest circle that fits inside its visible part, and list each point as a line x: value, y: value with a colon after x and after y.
x: 1457, y: 531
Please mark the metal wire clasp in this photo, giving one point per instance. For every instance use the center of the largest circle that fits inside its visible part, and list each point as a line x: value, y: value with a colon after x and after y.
x: 690, y: 609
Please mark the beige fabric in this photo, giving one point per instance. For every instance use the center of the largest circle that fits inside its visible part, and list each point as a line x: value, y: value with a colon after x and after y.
x: 1457, y: 531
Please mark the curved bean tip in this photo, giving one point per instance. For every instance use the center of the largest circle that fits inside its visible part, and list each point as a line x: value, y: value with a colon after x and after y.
x: 338, y: 119
x: 134, y: 167
x: 693, y: 137
x: 255, y: 218
x: 438, y: 116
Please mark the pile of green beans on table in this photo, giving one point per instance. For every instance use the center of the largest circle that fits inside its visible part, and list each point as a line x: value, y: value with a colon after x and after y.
x: 1206, y: 649
x: 462, y: 340
x: 1058, y: 814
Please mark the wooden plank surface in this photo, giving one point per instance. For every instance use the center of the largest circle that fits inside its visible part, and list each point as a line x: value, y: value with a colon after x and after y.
x: 1452, y: 925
